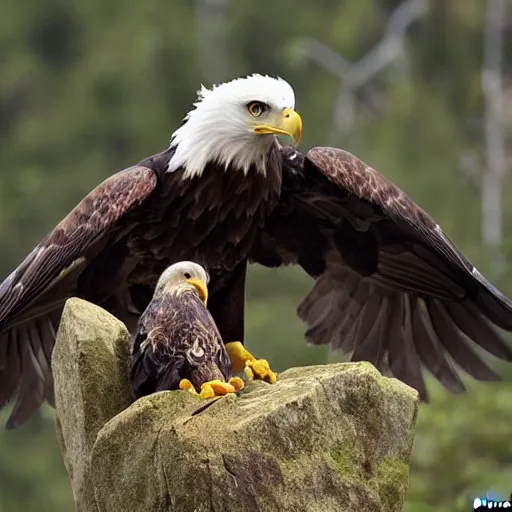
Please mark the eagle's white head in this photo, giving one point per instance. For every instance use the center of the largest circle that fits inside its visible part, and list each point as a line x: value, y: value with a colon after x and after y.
x: 235, y: 124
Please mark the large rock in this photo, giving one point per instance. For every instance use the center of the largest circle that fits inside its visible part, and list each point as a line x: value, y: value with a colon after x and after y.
x: 90, y: 365
x: 323, y: 438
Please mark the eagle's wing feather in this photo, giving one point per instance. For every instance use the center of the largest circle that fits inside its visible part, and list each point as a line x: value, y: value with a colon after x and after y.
x: 32, y: 296
x: 431, y: 248
x: 390, y: 288
x: 65, y: 248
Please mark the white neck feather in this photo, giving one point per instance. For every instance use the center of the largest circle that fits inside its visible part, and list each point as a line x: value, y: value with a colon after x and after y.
x: 198, y: 143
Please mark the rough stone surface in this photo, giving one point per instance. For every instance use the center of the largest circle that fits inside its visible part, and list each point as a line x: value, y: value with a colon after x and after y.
x: 90, y: 365
x: 323, y: 438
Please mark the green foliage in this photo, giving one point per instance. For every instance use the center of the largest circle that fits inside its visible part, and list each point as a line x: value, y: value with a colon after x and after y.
x: 462, y: 448
x: 32, y: 474
x: 87, y: 88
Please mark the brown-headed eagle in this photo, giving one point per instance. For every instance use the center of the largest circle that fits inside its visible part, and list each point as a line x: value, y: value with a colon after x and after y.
x: 177, y: 344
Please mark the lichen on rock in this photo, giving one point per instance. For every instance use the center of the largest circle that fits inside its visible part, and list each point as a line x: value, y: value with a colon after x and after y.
x: 323, y: 438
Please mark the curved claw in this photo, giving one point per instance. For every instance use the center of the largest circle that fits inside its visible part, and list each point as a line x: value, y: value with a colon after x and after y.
x: 260, y: 369
x: 186, y: 385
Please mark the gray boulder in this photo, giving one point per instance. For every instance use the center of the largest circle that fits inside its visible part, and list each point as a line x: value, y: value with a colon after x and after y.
x: 323, y: 438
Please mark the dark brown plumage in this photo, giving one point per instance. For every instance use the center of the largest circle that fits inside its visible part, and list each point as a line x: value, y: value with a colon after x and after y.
x: 176, y: 337
x: 390, y: 287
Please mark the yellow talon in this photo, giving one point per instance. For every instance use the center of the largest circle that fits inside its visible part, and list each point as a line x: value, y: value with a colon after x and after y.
x: 260, y: 369
x: 216, y: 388
x: 206, y: 391
x: 186, y: 385
x: 243, y: 361
x: 237, y: 383
x: 249, y: 373
x: 213, y: 388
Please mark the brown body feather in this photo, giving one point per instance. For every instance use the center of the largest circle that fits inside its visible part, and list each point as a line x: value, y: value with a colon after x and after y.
x: 177, y: 339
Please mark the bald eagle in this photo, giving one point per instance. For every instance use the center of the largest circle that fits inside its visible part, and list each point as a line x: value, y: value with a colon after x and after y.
x: 177, y: 344
x: 389, y: 286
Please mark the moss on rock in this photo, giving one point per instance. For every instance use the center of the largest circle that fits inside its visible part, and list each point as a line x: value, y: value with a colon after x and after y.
x: 343, y: 456
x: 392, y: 477
x: 323, y: 438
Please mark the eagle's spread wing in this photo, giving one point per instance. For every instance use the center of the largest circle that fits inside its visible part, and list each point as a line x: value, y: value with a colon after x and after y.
x: 31, y: 298
x: 177, y: 339
x: 391, y: 288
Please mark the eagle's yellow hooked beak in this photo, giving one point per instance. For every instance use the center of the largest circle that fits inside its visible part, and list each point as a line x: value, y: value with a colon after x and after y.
x: 288, y: 123
x: 201, y: 288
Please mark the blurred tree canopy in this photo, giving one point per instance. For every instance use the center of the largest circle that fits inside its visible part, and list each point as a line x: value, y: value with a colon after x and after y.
x: 89, y: 87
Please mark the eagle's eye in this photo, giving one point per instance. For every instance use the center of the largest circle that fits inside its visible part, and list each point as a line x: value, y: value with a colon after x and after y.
x: 256, y: 108
x: 187, y: 275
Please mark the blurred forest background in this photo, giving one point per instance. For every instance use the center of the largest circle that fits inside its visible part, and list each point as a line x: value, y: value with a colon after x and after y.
x: 88, y: 87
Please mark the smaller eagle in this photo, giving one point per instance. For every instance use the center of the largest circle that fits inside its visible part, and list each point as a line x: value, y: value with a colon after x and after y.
x: 177, y: 344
